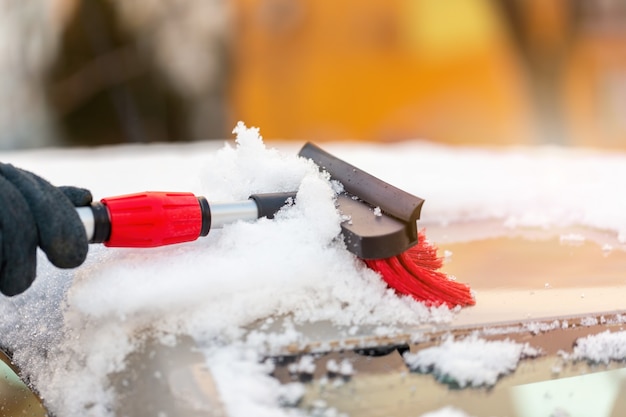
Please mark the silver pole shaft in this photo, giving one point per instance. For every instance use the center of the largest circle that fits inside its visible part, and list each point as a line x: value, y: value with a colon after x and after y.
x: 226, y: 213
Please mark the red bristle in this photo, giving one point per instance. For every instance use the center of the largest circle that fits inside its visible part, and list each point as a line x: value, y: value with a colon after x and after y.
x: 415, y: 273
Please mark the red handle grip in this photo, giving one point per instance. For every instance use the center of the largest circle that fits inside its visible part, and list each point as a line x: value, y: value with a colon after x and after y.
x: 152, y: 219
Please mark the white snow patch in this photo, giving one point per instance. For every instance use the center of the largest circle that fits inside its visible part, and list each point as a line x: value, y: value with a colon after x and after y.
x: 246, y: 387
x: 446, y: 412
x: 607, y: 249
x: 344, y: 368
x: 588, y: 321
x: 574, y: 239
x: 472, y: 362
x: 305, y: 365
x: 601, y: 348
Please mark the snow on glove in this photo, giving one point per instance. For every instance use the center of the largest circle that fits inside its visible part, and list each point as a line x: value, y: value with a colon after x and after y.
x: 35, y: 213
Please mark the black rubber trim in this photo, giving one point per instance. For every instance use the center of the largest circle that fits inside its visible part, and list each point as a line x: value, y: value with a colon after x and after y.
x: 102, y: 223
x: 206, y: 216
x: 270, y: 203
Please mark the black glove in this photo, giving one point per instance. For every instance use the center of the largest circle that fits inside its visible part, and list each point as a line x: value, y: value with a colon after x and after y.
x: 34, y: 213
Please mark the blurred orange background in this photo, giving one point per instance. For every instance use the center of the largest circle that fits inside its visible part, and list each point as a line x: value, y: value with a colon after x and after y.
x: 472, y: 72
x: 461, y: 72
x: 379, y: 70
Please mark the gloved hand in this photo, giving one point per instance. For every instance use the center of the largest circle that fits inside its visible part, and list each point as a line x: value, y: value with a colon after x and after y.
x: 34, y: 213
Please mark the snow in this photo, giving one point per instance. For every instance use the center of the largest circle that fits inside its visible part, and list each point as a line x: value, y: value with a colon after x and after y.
x: 74, y: 328
x: 601, y: 348
x: 446, y: 412
x: 238, y: 371
x: 573, y: 239
x: 305, y: 365
x: 469, y: 362
x: 344, y: 368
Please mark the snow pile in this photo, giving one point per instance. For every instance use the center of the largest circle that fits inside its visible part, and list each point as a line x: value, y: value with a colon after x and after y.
x: 446, y: 412
x: 238, y: 371
x: 305, y: 365
x: 601, y: 348
x: 74, y: 329
x: 343, y: 368
x: 472, y: 362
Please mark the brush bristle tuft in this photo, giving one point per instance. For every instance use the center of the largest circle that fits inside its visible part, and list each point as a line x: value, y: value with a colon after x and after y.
x: 415, y: 272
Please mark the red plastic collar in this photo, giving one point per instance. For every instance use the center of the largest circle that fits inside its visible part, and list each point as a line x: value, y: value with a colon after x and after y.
x: 152, y: 219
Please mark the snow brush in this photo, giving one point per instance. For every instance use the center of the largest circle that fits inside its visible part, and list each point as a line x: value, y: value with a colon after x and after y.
x: 380, y: 226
